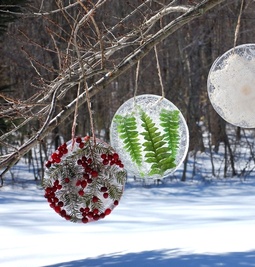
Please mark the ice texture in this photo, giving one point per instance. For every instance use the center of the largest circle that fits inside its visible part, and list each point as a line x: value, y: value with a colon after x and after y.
x: 152, y: 105
x: 231, y: 86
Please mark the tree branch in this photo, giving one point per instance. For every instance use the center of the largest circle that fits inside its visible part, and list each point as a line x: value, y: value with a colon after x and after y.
x: 110, y: 76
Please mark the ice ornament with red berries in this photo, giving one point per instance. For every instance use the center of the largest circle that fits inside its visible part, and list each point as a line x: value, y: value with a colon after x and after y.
x: 84, y: 180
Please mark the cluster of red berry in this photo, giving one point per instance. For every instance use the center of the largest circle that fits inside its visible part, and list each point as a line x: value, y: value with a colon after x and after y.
x: 88, y: 174
x: 62, y: 150
x: 86, y: 213
x: 91, y: 174
x: 112, y: 159
x: 56, y: 156
x: 50, y: 194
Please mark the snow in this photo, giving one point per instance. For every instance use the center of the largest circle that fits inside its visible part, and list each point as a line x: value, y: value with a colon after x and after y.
x: 192, y: 224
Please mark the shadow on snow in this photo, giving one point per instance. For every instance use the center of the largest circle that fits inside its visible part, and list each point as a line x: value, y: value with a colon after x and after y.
x: 165, y: 258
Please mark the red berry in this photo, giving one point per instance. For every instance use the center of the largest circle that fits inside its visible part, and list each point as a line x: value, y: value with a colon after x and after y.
x: 90, y: 214
x: 54, y: 156
x: 57, y: 209
x: 54, y: 189
x: 85, y: 176
x: 63, y: 213
x: 52, y: 195
x: 103, y: 189
x: 84, y: 164
x: 116, y: 202
x: 48, y: 164
x: 63, y: 148
x: 94, y: 199
x: 107, y: 211
x: 121, y: 166
x: 95, y: 211
x: 81, y: 145
x: 96, y: 217
x: 94, y: 174
x: 86, y: 138
x: 83, y: 183
x: 84, y: 219
x: 115, y: 156
x: 60, y: 203
x: 102, y: 215
x: 68, y: 217
x: 56, y: 182
x: 86, y: 209
x: 78, y: 183
x: 59, y: 186
x: 105, y: 161
x: 118, y: 162
x: 103, y: 156
x: 48, y: 190
x: 110, y: 157
x: 105, y: 195
x: 67, y: 180
x: 78, y: 139
x: 79, y: 162
x: 81, y: 193
x: 88, y: 169
x: 57, y: 160
x: 65, y: 151
x: 89, y: 181
x: 81, y: 209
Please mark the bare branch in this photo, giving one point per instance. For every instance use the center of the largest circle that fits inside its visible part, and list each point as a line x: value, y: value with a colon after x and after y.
x: 76, y: 72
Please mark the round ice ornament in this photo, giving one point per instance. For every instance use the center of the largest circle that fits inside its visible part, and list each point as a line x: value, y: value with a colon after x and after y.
x: 84, y: 180
x: 231, y: 86
x: 151, y: 136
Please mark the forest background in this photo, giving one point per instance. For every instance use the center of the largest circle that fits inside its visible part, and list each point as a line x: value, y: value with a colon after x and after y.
x: 47, y: 39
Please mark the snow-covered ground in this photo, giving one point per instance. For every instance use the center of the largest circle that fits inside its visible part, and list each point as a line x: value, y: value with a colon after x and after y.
x: 192, y: 224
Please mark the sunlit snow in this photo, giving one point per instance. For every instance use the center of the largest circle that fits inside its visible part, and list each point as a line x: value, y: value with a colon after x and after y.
x: 192, y: 224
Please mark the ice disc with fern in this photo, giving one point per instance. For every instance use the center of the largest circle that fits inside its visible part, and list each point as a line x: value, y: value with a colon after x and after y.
x: 151, y: 136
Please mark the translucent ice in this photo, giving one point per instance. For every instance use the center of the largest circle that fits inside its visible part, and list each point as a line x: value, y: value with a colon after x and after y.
x: 232, y: 77
x: 150, y: 135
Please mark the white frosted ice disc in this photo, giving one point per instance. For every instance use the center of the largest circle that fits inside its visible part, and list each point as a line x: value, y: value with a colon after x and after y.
x: 231, y: 86
x: 150, y: 135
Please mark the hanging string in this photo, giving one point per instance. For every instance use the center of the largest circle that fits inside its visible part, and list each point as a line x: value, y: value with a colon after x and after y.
x: 75, y: 114
x: 136, y: 78
x: 159, y: 74
x: 238, y: 24
x: 90, y: 112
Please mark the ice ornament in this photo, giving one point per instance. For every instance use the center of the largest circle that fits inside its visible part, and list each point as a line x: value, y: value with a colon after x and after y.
x: 231, y: 86
x: 84, y: 180
x: 150, y: 135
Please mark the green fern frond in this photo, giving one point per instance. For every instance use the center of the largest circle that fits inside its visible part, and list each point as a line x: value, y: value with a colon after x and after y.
x: 127, y: 129
x: 170, y: 123
x: 155, y: 145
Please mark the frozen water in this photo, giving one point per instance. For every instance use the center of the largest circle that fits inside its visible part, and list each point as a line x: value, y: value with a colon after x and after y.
x: 231, y: 86
x: 152, y: 105
x: 84, y: 180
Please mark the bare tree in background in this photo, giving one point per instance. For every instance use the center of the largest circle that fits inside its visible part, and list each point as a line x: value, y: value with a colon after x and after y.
x: 94, y: 45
